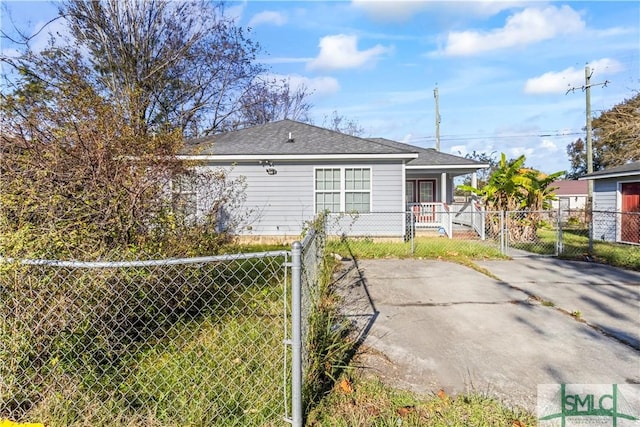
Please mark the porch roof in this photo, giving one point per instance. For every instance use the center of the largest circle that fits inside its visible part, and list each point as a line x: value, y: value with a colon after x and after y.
x: 431, y: 159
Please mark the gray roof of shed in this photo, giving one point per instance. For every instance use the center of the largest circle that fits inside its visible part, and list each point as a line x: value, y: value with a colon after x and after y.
x: 624, y: 170
x: 273, y: 139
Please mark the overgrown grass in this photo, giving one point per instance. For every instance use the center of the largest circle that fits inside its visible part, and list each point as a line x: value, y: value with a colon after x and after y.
x: 438, y: 248
x: 213, y: 357
x: 329, y: 345
x: 363, y: 401
x: 424, y: 247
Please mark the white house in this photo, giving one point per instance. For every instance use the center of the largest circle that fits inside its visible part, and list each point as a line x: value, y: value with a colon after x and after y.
x: 570, y: 195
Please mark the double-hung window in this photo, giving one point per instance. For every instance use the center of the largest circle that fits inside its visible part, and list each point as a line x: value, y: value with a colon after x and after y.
x: 357, y: 195
x: 343, y: 189
x: 328, y: 190
x: 183, y: 189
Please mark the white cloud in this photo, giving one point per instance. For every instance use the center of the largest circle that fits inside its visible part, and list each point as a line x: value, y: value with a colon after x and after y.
x: 341, y: 52
x: 549, y: 145
x: 528, y: 26
x: 514, y: 152
x: 268, y: 17
x: 235, y: 11
x: 561, y: 81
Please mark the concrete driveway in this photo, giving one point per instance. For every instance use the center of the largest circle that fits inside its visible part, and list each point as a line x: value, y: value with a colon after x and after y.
x: 428, y: 325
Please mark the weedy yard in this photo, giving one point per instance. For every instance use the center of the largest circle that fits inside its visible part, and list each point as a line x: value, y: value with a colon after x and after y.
x: 145, y: 346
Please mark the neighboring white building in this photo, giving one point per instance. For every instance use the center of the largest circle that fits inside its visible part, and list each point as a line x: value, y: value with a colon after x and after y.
x: 570, y: 195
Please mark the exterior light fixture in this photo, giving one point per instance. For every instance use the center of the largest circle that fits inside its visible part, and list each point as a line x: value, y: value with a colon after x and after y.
x: 268, y: 165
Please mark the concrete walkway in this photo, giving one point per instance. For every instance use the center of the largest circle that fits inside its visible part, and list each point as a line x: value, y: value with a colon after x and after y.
x: 431, y: 324
x: 605, y: 297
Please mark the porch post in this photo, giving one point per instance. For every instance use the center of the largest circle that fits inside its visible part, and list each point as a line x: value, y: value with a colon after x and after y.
x: 443, y: 188
x: 474, y: 179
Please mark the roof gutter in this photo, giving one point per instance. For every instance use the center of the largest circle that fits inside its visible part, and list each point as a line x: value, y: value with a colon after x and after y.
x: 610, y: 175
x: 480, y: 166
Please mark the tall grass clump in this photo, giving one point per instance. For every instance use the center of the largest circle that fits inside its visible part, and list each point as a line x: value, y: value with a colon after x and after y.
x: 329, y: 344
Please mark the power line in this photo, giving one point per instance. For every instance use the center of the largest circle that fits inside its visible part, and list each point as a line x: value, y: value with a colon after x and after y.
x: 476, y: 136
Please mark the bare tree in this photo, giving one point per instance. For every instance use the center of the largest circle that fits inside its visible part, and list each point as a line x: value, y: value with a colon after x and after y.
x: 168, y: 65
x: 271, y: 100
x: 343, y: 124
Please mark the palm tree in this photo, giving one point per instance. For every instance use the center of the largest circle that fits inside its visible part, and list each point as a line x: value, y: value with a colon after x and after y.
x: 523, y: 192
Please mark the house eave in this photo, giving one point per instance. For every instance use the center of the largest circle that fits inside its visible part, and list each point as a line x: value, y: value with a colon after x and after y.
x: 438, y: 167
x: 610, y: 175
x: 294, y: 157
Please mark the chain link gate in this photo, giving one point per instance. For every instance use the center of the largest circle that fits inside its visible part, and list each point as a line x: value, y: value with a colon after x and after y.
x: 156, y: 343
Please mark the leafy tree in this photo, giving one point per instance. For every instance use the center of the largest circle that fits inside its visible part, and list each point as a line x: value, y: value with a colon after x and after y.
x: 521, y: 191
x: 78, y: 181
x: 482, y: 175
x: 616, y: 139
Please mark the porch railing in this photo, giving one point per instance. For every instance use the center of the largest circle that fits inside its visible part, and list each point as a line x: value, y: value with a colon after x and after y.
x: 432, y: 215
x: 470, y: 214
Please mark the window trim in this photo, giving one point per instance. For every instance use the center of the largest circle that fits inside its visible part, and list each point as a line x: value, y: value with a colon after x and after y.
x: 343, y: 191
x: 325, y: 191
x: 186, y: 194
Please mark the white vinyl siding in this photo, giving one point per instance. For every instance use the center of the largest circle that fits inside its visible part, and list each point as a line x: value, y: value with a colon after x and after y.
x: 281, y: 204
x: 343, y: 189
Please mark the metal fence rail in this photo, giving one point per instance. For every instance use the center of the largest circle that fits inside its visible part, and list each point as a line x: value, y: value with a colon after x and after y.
x: 169, y: 342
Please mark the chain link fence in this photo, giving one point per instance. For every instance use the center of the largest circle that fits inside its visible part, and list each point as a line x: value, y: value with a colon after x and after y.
x: 612, y: 226
x: 479, y: 233
x: 151, y: 343
x: 233, y: 340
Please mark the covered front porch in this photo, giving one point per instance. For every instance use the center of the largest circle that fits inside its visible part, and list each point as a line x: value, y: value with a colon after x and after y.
x: 429, y: 198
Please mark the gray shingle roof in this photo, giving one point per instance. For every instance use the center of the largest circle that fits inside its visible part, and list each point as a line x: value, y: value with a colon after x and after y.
x: 272, y: 139
x: 430, y: 156
x: 628, y: 169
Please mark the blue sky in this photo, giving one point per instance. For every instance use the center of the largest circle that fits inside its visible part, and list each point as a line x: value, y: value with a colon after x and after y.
x: 502, y: 68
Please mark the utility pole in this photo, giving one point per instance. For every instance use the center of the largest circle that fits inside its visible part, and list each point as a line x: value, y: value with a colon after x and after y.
x: 589, y: 149
x: 437, y: 97
x: 587, y: 91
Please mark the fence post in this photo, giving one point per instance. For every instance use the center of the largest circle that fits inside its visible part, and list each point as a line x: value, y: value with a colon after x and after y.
x: 296, y: 334
x: 591, y: 234
x: 502, y: 245
x: 559, y: 237
x: 413, y: 232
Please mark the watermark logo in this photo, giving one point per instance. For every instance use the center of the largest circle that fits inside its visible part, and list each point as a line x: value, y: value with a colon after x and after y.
x: 567, y: 405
